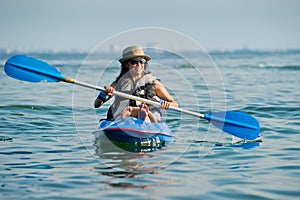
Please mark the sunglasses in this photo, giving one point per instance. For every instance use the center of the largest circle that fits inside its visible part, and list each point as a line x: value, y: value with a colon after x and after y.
x: 136, y: 61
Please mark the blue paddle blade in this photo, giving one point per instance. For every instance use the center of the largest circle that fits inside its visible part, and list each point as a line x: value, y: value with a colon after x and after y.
x: 238, y: 124
x: 30, y: 69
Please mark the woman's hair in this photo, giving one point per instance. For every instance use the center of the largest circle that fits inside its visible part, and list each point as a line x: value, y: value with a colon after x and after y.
x: 124, y: 70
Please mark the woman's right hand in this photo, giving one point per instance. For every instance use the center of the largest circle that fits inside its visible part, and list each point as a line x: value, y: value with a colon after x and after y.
x: 109, y: 90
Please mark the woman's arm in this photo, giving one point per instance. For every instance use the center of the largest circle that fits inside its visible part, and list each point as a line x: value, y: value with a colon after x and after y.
x: 161, y: 91
x: 104, y: 96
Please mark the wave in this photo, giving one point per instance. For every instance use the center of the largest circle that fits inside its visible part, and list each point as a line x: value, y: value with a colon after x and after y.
x: 260, y: 66
x: 273, y: 108
x: 272, y: 66
x: 33, y: 107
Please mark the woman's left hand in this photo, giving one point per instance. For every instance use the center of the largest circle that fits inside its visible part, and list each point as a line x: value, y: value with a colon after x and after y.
x: 165, y: 105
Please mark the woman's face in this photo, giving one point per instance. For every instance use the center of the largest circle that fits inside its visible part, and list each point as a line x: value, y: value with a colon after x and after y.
x: 136, y: 66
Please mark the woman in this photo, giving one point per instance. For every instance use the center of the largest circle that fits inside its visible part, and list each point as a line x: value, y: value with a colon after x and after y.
x: 135, y: 79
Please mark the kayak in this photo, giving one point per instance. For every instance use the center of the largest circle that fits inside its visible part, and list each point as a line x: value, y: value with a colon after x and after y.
x: 135, y: 134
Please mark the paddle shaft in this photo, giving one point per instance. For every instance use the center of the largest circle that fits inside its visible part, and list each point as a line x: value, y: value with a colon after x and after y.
x: 128, y: 96
x: 30, y: 69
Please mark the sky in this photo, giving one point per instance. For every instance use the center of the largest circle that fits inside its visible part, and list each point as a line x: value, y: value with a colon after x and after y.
x: 215, y: 24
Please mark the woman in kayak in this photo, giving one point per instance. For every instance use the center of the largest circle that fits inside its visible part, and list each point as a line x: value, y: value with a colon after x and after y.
x: 135, y: 79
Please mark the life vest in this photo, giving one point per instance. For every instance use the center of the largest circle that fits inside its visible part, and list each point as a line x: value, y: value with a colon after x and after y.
x: 146, y: 91
x: 142, y: 88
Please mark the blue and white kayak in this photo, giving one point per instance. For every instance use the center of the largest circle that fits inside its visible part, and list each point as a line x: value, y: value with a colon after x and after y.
x: 136, y: 132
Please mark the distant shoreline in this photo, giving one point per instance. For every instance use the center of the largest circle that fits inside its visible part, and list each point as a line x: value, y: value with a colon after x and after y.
x: 9, y: 51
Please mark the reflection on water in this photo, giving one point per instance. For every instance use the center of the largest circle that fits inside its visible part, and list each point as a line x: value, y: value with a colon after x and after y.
x: 239, y: 143
x: 124, y: 161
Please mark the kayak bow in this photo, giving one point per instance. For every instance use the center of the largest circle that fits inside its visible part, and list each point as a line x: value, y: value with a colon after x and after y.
x: 136, y: 131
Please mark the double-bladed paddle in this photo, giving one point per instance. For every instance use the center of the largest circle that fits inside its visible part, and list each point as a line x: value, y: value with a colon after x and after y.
x: 30, y: 69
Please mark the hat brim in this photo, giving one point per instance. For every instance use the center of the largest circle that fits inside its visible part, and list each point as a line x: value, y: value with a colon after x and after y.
x: 135, y: 56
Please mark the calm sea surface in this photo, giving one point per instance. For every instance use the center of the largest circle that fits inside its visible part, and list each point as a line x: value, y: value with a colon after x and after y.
x: 48, y: 148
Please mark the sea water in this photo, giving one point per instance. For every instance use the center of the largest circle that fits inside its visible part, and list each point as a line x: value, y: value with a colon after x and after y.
x: 48, y: 148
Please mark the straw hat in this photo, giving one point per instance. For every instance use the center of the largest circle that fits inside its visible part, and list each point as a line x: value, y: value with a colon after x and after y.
x: 133, y: 52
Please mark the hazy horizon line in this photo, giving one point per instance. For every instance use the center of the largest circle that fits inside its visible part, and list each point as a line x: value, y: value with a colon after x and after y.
x: 213, y: 50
